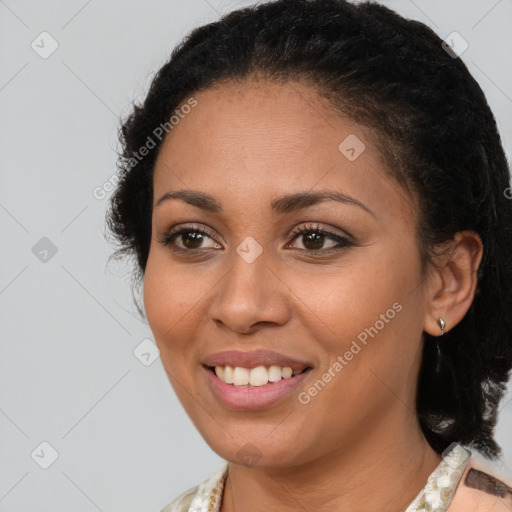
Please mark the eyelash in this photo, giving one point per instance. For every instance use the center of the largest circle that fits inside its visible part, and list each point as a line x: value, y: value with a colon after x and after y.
x: 343, y: 242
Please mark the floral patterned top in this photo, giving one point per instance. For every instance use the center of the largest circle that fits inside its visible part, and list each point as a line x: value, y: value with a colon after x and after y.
x: 436, y: 496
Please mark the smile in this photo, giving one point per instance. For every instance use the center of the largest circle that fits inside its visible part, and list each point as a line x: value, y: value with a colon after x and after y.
x: 254, y: 377
x: 244, y: 396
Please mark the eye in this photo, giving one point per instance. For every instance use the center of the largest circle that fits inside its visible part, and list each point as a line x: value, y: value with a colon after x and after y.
x: 313, y: 238
x: 191, y: 238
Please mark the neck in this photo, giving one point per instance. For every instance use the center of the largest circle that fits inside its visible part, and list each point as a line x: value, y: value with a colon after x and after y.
x: 380, y: 471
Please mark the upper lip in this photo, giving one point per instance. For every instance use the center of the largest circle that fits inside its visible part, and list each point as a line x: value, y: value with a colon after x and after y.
x: 253, y: 359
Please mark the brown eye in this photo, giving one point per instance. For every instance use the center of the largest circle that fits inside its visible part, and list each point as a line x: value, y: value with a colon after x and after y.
x: 313, y: 239
x: 191, y: 238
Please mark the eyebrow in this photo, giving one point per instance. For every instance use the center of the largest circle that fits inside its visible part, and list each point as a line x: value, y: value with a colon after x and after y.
x: 284, y: 204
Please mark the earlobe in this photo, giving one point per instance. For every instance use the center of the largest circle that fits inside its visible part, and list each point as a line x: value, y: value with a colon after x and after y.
x: 452, y: 284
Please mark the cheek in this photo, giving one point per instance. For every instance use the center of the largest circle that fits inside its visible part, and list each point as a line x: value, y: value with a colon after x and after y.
x: 175, y: 299
x: 168, y: 295
x: 352, y: 296
x: 165, y: 299
x: 368, y: 311
x: 156, y: 297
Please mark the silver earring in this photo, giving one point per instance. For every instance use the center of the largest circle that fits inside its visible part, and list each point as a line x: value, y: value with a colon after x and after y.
x: 441, y: 324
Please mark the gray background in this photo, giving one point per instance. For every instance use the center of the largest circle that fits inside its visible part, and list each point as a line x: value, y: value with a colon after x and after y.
x: 68, y: 372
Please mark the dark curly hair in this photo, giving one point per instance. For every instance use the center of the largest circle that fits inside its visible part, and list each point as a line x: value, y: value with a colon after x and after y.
x: 435, y: 131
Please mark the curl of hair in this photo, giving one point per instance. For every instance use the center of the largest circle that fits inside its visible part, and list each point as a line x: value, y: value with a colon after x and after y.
x: 436, y: 134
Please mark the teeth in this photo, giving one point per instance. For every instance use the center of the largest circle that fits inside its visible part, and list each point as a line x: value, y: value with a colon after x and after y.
x: 274, y: 373
x: 254, y: 377
x: 286, y: 372
x: 240, y: 376
x: 228, y: 374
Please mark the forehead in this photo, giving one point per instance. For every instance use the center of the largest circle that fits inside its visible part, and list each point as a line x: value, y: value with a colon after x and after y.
x: 263, y: 138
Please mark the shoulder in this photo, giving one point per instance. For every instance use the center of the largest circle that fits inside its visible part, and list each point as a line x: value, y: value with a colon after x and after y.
x: 208, y: 492
x: 181, y: 503
x: 483, y: 487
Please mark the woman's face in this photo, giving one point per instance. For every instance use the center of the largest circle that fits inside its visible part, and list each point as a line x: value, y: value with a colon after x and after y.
x: 350, y: 309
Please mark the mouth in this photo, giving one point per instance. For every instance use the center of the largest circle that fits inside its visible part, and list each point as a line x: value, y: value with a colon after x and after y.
x: 254, y: 380
x: 238, y: 376
x: 257, y: 388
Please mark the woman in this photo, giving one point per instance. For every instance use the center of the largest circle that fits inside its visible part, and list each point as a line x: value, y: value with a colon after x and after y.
x: 314, y: 192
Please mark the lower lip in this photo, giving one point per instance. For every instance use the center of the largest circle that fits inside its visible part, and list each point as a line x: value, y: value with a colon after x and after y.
x: 253, y: 398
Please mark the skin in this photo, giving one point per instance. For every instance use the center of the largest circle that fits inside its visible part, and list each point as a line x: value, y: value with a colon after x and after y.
x: 357, y: 444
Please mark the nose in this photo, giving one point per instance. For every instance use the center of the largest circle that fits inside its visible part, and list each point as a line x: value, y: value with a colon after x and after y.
x: 249, y: 296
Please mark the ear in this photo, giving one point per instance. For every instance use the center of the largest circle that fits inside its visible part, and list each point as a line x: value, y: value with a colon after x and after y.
x: 452, y: 283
